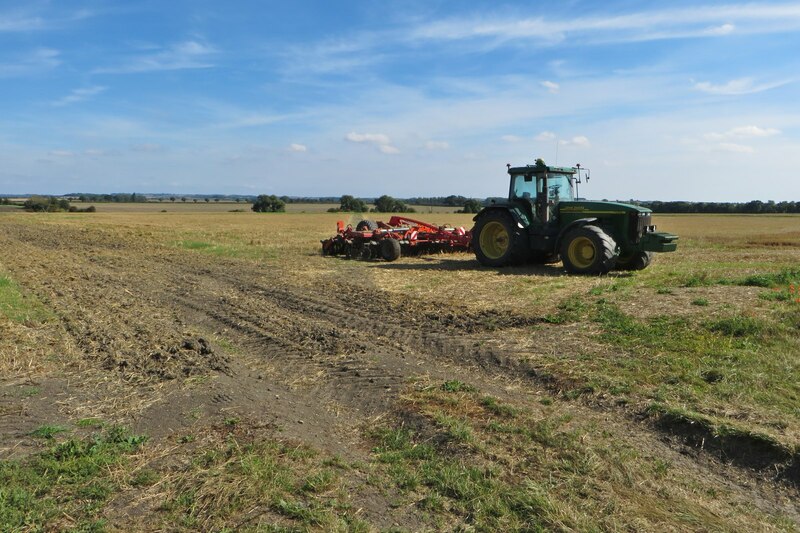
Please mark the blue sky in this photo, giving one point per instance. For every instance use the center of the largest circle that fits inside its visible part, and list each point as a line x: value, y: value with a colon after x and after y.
x: 663, y: 100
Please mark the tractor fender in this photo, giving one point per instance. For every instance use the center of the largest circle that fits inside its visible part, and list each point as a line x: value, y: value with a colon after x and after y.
x: 571, y: 226
x: 513, y: 212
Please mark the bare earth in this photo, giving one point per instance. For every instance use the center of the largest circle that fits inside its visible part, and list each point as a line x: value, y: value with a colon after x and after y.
x: 170, y: 341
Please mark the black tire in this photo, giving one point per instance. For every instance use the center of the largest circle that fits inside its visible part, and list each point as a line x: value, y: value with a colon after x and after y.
x: 498, y: 241
x: 390, y: 249
x: 634, y: 261
x: 366, y: 225
x: 588, y: 250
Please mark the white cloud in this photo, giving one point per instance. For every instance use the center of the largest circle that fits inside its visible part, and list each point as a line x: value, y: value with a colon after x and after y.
x: 725, y: 29
x: 737, y: 87
x: 670, y: 23
x: 294, y: 147
x: 545, y: 136
x: 551, y: 87
x: 742, y: 132
x: 580, y: 140
x: 437, y: 145
x: 78, y: 95
x: 380, y: 140
x: 33, y: 62
x: 179, y: 56
x: 376, y: 138
x: 15, y: 22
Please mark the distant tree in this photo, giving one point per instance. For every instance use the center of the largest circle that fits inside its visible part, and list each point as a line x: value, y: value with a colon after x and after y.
x: 46, y: 204
x: 268, y: 204
x: 216, y: 199
x: 351, y: 204
x: 194, y: 200
x: 208, y: 200
x: 238, y: 200
x: 183, y: 198
x: 471, y: 206
x: 160, y: 199
x: 387, y: 204
x: 171, y: 198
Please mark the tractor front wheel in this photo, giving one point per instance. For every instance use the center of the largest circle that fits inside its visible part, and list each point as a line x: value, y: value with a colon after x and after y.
x: 588, y: 250
x: 634, y: 260
x: 496, y: 240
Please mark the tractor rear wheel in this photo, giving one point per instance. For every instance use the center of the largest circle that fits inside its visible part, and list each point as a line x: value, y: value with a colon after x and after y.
x: 366, y: 225
x: 497, y: 241
x: 588, y: 250
x: 390, y: 249
x: 634, y: 260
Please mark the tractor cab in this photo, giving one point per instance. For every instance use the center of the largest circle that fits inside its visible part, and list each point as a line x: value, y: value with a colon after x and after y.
x: 541, y: 188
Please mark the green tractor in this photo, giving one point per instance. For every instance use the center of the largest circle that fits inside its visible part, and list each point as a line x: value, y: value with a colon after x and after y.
x: 542, y: 221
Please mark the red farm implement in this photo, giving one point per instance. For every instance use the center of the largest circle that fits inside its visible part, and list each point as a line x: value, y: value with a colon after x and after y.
x: 400, y: 236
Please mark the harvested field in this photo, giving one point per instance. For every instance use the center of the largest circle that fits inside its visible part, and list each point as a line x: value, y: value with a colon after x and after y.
x: 226, y: 375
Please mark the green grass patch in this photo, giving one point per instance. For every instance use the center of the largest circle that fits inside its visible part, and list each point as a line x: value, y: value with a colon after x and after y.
x: 19, y: 306
x: 228, y: 248
x: 784, y: 278
x: 525, y: 472
x: 48, y: 431
x: 226, y: 479
x: 71, y: 478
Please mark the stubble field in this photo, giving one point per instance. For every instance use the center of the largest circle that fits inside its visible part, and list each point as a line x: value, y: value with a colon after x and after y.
x: 210, y: 370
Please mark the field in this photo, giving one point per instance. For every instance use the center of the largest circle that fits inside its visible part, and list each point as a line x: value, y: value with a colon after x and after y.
x: 201, y: 369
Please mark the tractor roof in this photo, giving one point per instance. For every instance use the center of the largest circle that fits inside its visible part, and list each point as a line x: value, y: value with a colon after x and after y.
x: 533, y: 169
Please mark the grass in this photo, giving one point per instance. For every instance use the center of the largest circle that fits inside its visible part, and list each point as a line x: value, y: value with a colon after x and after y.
x: 65, y: 486
x: 259, y: 483
x: 18, y: 306
x: 527, y: 470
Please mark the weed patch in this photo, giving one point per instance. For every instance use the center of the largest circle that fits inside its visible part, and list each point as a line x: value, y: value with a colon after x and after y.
x: 18, y: 306
x: 72, y: 478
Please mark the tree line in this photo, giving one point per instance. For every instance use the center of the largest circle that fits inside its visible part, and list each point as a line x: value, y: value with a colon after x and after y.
x: 752, y: 207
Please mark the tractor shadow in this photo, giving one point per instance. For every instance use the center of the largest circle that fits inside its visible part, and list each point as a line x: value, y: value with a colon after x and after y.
x: 439, y: 264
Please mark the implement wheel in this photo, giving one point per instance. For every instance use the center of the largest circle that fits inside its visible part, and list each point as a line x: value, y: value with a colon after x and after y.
x: 390, y: 249
x: 366, y: 225
x: 588, y: 250
x: 496, y: 240
x: 634, y: 260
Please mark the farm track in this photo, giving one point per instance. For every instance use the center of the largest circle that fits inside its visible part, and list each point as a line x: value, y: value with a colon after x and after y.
x: 318, y: 362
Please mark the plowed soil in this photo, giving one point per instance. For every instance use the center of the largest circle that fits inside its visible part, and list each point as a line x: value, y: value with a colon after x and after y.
x: 161, y: 338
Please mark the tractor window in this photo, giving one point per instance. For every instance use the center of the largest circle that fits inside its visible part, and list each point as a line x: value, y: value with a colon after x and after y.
x: 524, y: 187
x: 559, y: 188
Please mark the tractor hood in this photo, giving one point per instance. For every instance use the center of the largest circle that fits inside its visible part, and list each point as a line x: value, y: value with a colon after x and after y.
x: 594, y: 208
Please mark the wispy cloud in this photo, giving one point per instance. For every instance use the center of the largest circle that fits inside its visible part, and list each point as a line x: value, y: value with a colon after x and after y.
x: 659, y: 24
x: 295, y: 147
x: 178, y: 56
x: 79, y: 95
x: 743, y: 132
x: 580, y: 140
x: 28, y: 19
x: 29, y: 63
x: 737, y: 87
x: 545, y: 136
x: 379, y: 140
x: 551, y: 86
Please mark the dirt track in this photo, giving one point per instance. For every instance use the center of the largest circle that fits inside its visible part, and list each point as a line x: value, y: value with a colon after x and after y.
x: 160, y: 337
